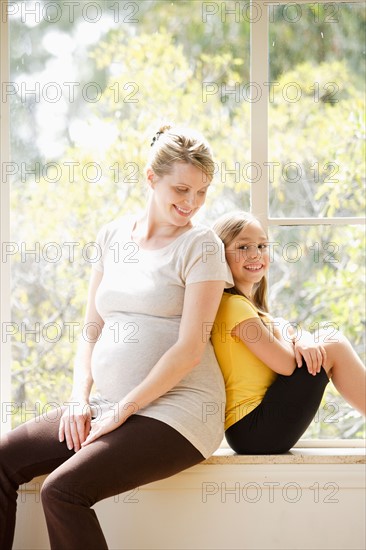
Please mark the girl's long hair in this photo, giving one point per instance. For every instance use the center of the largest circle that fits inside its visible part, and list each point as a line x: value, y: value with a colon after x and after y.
x: 227, y: 227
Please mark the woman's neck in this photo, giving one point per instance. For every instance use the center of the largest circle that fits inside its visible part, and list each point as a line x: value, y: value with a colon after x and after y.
x: 149, y: 227
x: 150, y: 232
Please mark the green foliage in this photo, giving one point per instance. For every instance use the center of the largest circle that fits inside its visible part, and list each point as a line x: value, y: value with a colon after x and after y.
x: 159, y: 70
x: 327, y: 143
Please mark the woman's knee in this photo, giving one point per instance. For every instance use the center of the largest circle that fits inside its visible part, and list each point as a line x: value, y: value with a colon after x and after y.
x: 60, y: 487
x: 8, y: 470
x: 56, y: 489
x: 50, y: 490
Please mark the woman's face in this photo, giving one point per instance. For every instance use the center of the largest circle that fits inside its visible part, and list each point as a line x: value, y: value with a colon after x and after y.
x: 247, y: 256
x: 179, y: 195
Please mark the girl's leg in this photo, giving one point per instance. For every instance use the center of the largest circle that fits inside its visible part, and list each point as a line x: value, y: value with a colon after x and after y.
x: 31, y: 449
x: 346, y: 370
x: 140, y: 451
x: 284, y: 414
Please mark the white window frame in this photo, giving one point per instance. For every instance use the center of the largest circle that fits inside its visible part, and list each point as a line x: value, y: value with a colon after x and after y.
x: 259, y: 73
x: 259, y: 193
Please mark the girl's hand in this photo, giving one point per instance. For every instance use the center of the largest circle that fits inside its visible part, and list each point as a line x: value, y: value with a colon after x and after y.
x: 75, y: 424
x: 313, y: 354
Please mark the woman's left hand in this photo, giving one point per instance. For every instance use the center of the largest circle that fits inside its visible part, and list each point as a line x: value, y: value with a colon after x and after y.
x: 313, y: 354
x: 109, y: 421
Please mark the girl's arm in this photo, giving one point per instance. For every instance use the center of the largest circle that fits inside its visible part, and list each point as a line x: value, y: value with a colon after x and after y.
x: 305, y: 347
x: 269, y: 346
x: 75, y: 421
x: 201, y: 302
x: 313, y: 354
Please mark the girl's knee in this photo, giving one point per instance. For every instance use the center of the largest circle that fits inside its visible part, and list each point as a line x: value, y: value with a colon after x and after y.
x: 336, y: 343
x: 330, y: 335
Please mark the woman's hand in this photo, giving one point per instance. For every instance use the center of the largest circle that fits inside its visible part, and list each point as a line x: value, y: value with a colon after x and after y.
x: 313, y: 354
x: 75, y: 424
x: 109, y: 421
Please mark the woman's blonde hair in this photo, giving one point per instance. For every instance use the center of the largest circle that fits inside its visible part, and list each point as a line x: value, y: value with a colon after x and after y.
x: 227, y: 227
x: 177, y: 144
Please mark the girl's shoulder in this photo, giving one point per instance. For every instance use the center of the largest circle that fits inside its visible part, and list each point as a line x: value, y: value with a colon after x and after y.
x: 238, y: 302
x: 234, y: 309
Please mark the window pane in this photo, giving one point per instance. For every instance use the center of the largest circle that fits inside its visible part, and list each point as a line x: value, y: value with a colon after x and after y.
x: 317, y: 279
x: 89, y: 88
x: 317, y: 109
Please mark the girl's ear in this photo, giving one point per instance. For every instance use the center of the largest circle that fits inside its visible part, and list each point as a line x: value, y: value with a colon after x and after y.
x: 150, y: 177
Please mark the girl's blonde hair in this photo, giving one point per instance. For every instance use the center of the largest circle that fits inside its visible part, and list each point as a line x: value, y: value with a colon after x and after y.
x: 177, y: 144
x: 227, y: 227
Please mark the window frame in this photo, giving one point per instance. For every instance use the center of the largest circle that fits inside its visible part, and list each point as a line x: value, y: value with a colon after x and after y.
x: 259, y: 120
x: 259, y: 193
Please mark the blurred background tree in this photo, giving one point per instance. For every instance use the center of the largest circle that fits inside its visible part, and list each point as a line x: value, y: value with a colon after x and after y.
x: 81, y: 160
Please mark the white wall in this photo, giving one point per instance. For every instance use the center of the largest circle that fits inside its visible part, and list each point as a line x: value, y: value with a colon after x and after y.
x: 227, y: 506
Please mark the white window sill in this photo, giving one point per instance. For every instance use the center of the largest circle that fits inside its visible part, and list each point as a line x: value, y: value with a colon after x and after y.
x: 297, y: 455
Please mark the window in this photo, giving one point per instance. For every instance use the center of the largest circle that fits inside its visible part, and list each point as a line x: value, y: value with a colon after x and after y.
x: 316, y: 177
x: 87, y: 87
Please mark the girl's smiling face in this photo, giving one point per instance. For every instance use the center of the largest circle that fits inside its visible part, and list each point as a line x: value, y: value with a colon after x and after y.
x: 248, y: 258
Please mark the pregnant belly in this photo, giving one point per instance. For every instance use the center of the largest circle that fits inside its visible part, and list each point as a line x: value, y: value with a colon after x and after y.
x: 127, y: 350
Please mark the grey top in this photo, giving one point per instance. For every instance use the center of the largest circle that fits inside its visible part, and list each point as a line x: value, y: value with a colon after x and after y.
x: 140, y: 299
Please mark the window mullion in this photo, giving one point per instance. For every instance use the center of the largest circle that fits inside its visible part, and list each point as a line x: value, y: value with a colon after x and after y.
x: 317, y: 221
x: 259, y: 78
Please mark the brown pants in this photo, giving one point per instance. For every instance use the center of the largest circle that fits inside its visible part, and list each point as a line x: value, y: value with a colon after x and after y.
x: 140, y: 451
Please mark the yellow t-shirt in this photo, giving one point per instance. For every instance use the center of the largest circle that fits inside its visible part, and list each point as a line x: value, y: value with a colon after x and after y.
x: 247, y: 378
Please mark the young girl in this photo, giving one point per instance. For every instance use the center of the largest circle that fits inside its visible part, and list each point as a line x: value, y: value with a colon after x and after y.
x: 274, y: 381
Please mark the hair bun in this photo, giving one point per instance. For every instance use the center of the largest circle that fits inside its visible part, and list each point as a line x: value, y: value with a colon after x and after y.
x: 164, y: 128
x: 161, y: 130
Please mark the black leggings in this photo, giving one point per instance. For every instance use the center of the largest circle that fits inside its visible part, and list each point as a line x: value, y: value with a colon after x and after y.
x: 140, y: 451
x: 279, y: 421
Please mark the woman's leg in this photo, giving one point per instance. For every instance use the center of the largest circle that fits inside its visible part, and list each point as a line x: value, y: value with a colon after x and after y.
x: 284, y: 414
x: 30, y: 450
x: 140, y: 451
x: 346, y: 370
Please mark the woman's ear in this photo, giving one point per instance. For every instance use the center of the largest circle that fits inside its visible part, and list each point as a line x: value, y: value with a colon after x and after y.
x: 150, y: 178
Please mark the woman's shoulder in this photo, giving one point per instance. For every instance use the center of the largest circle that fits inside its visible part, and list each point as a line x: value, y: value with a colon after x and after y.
x: 200, y: 233
x: 120, y: 224
x: 202, y: 229
x: 201, y: 242
x: 201, y: 256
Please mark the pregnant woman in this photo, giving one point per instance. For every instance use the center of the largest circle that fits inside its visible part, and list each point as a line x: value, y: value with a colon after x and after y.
x: 156, y: 285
